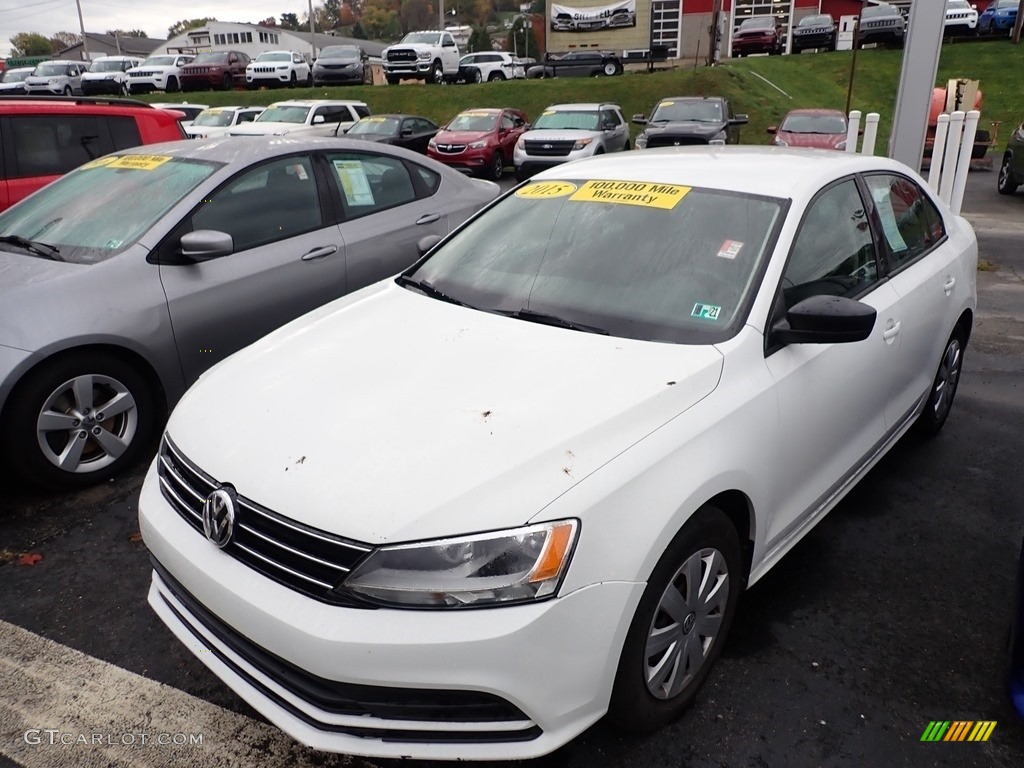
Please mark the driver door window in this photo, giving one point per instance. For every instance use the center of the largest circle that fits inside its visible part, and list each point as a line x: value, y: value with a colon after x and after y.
x: 833, y: 252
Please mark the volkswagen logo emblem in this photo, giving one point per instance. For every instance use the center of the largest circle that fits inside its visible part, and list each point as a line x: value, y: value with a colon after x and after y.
x: 219, y: 515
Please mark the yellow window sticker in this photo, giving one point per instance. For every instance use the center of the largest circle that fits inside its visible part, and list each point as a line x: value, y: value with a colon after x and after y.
x: 374, y: 120
x: 646, y: 194
x: 140, y: 162
x: 215, y: 110
x: 667, y: 103
x: 99, y: 162
x: 478, y: 114
x: 544, y: 189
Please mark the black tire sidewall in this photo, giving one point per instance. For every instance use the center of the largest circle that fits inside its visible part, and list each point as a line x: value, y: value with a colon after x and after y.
x: 18, y: 434
x: 928, y: 424
x: 632, y: 707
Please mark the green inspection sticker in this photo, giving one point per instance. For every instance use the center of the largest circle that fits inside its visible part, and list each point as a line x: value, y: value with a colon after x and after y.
x: 706, y: 311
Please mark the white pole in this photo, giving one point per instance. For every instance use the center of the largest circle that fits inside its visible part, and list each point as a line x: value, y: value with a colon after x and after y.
x: 440, y: 15
x: 312, y: 32
x: 964, y: 163
x: 81, y: 26
x: 956, y: 131
x: 867, y: 147
x: 938, y: 152
x: 852, y: 131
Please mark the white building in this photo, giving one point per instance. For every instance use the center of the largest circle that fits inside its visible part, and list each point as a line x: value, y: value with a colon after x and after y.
x: 253, y: 40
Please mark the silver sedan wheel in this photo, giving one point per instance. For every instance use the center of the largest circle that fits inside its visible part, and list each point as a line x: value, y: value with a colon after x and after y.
x: 947, y: 379
x: 87, y: 423
x: 686, y: 623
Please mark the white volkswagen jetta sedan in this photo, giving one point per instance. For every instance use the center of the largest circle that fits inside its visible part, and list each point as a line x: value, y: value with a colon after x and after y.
x: 466, y: 512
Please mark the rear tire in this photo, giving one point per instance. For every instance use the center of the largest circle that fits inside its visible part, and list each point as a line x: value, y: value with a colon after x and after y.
x: 1006, y: 183
x: 947, y: 377
x: 522, y: 174
x: 495, y: 76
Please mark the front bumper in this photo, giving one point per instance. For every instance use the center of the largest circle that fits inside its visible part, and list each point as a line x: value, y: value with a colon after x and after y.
x: 467, y: 161
x: 54, y: 90
x: 535, y: 164
x: 338, y: 75
x: 90, y: 87
x: 277, y: 78
x: 410, y: 69
x: 201, y: 82
x: 823, y: 40
x: 756, y: 45
x: 503, y: 683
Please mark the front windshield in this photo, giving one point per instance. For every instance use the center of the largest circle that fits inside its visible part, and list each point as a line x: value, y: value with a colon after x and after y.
x: 51, y: 70
x: 386, y: 125
x: 83, y: 213
x: 210, y: 58
x: 572, y: 120
x: 758, y: 22
x: 15, y: 75
x: 695, y: 111
x: 474, y: 121
x: 283, y: 113
x: 652, y: 261
x: 213, y: 117
x: 159, y: 61
x: 1006, y: 3
x: 816, y: 21
x: 106, y: 66
x: 814, y: 124
x: 430, y: 38
x: 958, y: 5
x: 878, y: 11
x: 274, y: 56
x: 339, y: 52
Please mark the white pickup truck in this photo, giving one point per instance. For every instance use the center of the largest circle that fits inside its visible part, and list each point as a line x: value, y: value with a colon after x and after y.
x: 431, y: 55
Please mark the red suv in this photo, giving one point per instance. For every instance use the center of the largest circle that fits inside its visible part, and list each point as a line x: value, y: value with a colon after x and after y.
x: 758, y: 34
x: 210, y: 71
x: 479, y: 141
x: 43, y: 138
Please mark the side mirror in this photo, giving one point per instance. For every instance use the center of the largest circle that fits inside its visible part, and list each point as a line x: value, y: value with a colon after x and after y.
x: 407, y: 131
x: 206, y: 244
x: 825, y: 320
x: 738, y: 120
x: 639, y: 119
x: 772, y: 129
x: 427, y: 242
x: 317, y: 119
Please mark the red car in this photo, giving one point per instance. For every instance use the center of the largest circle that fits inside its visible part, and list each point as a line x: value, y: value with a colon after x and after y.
x: 815, y: 128
x: 479, y: 141
x: 758, y: 34
x: 45, y: 138
x: 221, y: 70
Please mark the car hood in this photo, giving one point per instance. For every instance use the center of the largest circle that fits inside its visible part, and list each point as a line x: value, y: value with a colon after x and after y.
x: 267, y: 128
x: 814, y: 140
x: 753, y: 33
x: 461, y: 137
x: 559, y: 134
x: 336, y: 62
x: 33, y: 285
x: 686, y: 128
x: 389, y: 416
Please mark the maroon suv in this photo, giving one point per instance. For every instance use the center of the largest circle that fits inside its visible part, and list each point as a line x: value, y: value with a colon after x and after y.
x: 758, y: 34
x: 479, y: 141
x: 210, y: 71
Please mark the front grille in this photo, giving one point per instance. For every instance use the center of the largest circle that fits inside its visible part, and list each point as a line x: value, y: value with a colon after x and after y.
x: 402, y: 55
x: 450, y: 149
x: 141, y: 74
x: 674, y: 141
x: 548, y: 148
x: 383, y: 709
x: 195, y: 71
x: 265, y: 70
x: 880, y: 24
x: 305, y: 559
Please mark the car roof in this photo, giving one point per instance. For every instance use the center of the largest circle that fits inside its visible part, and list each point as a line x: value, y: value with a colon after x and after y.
x: 317, y: 102
x: 60, y: 104
x: 581, y: 107
x: 780, y: 172
x: 692, y: 98
x: 231, y: 150
x: 823, y: 112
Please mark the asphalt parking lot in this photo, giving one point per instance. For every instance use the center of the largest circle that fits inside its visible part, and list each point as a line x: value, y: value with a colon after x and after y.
x: 890, y: 614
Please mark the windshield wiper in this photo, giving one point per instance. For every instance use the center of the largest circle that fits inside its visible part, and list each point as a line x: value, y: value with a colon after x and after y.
x: 425, y: 287
x: 545, y: 319
x: 33, y: 246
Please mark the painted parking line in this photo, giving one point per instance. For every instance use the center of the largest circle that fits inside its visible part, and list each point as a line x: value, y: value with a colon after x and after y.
x: 60, y: 707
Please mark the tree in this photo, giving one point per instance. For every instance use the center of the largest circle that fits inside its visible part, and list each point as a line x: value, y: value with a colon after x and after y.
x: 270, y: 21
x: 380, y: 22
x: 357, y: 31
x: 126, y: 33
x: 63, y: 40
x: 521, y: 39
x: 184, y: 25
x: 289, y: 21
x: 416, y: 14
x: 479, y: 41
x: 30, y: 44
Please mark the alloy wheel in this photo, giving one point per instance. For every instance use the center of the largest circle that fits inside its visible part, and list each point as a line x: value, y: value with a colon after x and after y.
x: 947, y: 379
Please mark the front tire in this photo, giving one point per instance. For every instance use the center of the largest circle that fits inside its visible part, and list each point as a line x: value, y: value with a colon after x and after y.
x: 79, y: 419
x: 436, y: 74
x: 293, y: 80
x: 227, y: 83
x: 1006, y: 183
x: 680, y: 625
x: 610, y: 69
x: 393, y: 79
x: 940, y: 399
x: 497, y: 167
x: 172, y: 85
x: 67, y: 90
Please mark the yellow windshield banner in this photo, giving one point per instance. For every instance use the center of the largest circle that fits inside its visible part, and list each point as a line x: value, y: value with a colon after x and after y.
x: 100, y: 162
x: 140, y: 162
x: 544, y: 189
x: 646, y: 194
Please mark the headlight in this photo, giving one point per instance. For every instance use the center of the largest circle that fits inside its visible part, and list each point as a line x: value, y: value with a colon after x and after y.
x: 432, y: 144
x: 641, y: 141
x: 478, y: 144
x: 423, y: 55
x: 485, y: 569
x: 54, y: 80
x: 581, y: 143
x: 780, y: 143
x: 521, y: 144
x: 283, y: 66
x: 110, y: 77
x: 841, y: 145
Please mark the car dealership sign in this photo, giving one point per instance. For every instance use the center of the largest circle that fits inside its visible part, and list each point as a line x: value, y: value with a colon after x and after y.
x: 593, y: 17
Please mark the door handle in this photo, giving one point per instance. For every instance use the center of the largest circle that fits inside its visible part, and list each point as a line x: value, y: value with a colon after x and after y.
x: 428, y: 218
x: 319, y: 253
x: 891, y: 332
x: 948, y: 285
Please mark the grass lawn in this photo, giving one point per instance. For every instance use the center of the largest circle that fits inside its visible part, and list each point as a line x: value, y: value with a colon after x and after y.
x: 808, y: 80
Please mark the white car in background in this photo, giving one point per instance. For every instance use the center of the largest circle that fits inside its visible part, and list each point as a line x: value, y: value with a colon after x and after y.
x: 556, y: 450
x: 216, y: 121
x: 158, y: 73
x: 278, y: 68
x: 488, y: 66
x: 12, y: 81
x: 961, y: 18
x: 109, y: 75
x: 310, y: 117
x: 188, y: 111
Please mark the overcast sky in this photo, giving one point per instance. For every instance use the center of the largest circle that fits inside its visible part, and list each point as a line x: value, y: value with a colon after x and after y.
x: 48, y: 17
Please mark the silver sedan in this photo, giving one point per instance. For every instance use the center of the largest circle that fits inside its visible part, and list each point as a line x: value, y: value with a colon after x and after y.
x: 123, y: 281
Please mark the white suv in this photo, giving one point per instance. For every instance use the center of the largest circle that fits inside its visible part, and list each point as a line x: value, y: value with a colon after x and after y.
x: 310, y: 117
x: 109, y: 75
x: 490, y: 66
x: 272, y: 68
x: 961, y: 18
x: 567, y: 132
x: 158, y: 73
x: 216, y: 121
